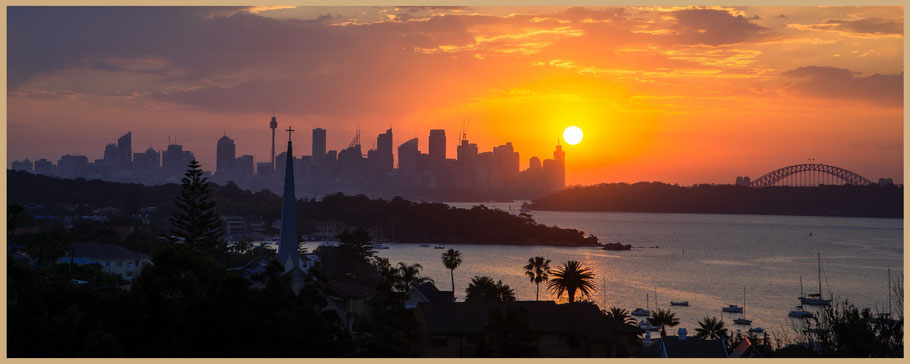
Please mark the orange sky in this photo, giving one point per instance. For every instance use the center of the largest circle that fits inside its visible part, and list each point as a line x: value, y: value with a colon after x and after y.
x: 676, y: 94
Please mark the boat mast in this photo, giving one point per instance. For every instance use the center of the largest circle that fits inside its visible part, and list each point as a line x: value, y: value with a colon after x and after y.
x: 744, y: 302
x: 647, y: 302
x: 819, y: 275
x: 801, y: 286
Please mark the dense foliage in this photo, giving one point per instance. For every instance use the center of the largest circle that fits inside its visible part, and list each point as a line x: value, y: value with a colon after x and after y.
x: 399, y: 219
x: 196, y: 222
x: 868, y: 201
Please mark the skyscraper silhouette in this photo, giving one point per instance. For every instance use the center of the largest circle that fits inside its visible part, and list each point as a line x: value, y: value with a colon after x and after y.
x: 226, y: 153
x: 407, y: 158
x: 384, y: 151
x: 124, y: 159
x: 318, y: 145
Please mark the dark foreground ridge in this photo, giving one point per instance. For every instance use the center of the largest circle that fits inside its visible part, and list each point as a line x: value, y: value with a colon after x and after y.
x: 824, y: 200
x: 399, y: 220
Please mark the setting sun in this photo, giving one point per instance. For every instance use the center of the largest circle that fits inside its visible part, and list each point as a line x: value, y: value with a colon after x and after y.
x: 572, y: 135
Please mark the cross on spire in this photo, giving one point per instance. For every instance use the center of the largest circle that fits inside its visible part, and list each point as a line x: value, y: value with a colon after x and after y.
x: 289, y: 130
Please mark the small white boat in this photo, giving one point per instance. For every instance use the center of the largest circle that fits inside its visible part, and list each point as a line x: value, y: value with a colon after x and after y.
x: 679, y: 303
x: 424, y: 245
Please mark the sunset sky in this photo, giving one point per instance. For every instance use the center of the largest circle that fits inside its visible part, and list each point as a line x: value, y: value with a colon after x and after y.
x: 676, y: 94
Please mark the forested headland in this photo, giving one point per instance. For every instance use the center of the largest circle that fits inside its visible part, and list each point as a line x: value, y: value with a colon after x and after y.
x: 823, y: 200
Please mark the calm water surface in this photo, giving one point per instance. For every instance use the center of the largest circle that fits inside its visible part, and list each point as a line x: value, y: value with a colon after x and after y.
x: 704, y: 259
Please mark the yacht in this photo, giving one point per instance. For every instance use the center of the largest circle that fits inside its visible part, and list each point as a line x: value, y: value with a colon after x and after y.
x: 424, y: 245
x: 799, y: 312
x: 732, y: 309
x: 815, y: 299
x: 743, y: 320
x: 641, y: 311
x: 756, y: 330
x: 439, y: 247
x: 679, y: 303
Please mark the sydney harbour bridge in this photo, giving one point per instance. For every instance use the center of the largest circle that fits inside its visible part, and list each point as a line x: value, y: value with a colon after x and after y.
x: 807, y: 174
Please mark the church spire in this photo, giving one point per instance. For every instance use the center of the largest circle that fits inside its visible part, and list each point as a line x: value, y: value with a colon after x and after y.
x: 287, y: 245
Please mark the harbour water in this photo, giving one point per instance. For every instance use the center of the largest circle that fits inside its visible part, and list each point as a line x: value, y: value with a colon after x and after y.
x: 704, y: 259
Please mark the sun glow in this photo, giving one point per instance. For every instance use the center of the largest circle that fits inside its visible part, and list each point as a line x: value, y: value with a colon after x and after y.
x: 572, y: 135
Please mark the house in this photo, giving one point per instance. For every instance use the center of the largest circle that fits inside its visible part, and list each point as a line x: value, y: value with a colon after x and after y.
x: 112, y: 258
x: 427, y: 292
x: 682, y: 346
x: 458, y: 329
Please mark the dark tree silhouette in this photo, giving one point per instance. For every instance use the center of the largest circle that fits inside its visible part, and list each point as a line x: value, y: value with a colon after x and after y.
x: 711, y: 328
x: 571, y: 278
x: 49, y: 245
x: 538, y: 270
x: 621, y: 315
x: 356, y: 242
x: 452, y: 259
x: 483, y: 289
x: 196, y: 220
x: 663, y: 319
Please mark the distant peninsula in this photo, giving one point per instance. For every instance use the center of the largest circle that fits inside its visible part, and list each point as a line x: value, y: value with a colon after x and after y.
x: 824, y: 200
x: 393, y: 220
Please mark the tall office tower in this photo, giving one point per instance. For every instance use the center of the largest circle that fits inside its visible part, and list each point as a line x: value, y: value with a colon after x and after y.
x: 551, y: 175
x: 67, y: 164
x: 25, y: 165
x: 175, y: 160
x: 466, y: 164
x: 318, y: 145
x: 226, y: 153
x: 244, y: 165
x: 384, y: 151
x: 147, y: 162
x: 273, y: 124
x: 407, y: 158
x: 124, y: 159
x: 264, y: 169
x: 560, y: 158
x: 350, y: 164
x: 507, y: 161
x: 534, y: 165
x: 437, y: 152
x: 44, y: 166
x: 110, y: 154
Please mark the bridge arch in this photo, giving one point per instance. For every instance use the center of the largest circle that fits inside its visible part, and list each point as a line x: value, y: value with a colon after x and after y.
x: 812, y: 173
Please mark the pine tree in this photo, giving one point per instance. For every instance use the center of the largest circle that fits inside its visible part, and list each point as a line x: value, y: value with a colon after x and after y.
x: 196, y: 220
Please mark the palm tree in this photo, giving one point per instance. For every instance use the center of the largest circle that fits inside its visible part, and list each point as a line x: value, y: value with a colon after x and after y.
x: 408, y: 276
x: 483, y: 289
x: 452, y: 259
x: 711, y: 328
x: 570, y: 278
x: 663, y: 318
x: 620, y: 315
x: 538, y: 270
